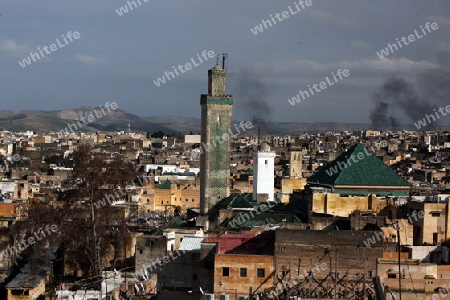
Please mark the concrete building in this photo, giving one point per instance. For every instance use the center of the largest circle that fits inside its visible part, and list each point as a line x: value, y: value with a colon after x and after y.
x: 176, y: 235
x: 295, y: 162
x: 192, y: 139
x: 432, y: 224
x: 183, y: 270
x: 243, y: 264
x: 295, y: 181
x: 149, y: 249
x: 337, y: 258
x: 418, y: 280
x: 216, y: 112
x: 263, y: 174
x: 168, y: 195
x: 430, y: 254
x: 26, y: 287
x: 7, y: 213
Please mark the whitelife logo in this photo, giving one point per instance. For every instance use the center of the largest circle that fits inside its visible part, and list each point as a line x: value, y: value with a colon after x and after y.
x: 225, y: 137
x: 53, y: 47
x: 108, y: 199
x: 323, y: 85
x: 280, y: 17
x: 157, y: 264
x: 124, y: 9
x: 423, y: 122
x: 379, y: 235
x: 20, y: 246
x: 89, y: 119
x: 391, y: 48
x: 342, y: 165
x: 187, y: 66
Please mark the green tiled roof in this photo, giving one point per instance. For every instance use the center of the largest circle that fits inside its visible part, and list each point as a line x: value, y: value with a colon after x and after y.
x: 248, y: 219
x: 236, y: 201
x: 241, y: 201
x: 165, y: 185
x: 367, y: 170
x: 174, y: 223
x: 378, y: 192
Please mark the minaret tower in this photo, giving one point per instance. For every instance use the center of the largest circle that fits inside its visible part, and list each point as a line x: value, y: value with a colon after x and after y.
x: 216, y: 124
x: 263, y: 174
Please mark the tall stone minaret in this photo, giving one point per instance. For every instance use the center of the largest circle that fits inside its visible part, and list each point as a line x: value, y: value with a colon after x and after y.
x: 216, y: 124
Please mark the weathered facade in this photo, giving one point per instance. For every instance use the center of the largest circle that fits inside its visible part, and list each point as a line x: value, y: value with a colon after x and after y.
x: 216, y: 107
x: 431, y: 221
x: 307, y: 263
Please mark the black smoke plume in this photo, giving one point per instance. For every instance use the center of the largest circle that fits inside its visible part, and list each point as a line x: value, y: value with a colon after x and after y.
x: 252, y: 96
x: 398, y: 96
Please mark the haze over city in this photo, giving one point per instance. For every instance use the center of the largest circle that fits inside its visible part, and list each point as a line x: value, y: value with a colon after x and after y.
x: 117, y: 58
x: 231, y: 150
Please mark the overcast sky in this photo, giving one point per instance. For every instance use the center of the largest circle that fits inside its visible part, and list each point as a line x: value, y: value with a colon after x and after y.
x: 118, y: 57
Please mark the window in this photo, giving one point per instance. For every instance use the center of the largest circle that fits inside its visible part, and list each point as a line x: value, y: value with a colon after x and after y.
x: 20, y: 292
x: 140, y: 251
x: 193, y: 200
x: 187, y: 200
x: 225, y: 271
x: 260, y: 272
x: 266, y: 162
x: 243, y: 272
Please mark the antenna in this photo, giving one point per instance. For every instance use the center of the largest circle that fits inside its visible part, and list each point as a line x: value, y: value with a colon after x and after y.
x: 259, y: 135
x: 224, y: 57
x: 217, y: 60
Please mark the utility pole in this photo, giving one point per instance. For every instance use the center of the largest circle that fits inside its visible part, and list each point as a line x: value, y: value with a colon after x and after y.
x: 399, y: 265
x: 335, y: 272
x: 106, y: 283
x: 114, y: 286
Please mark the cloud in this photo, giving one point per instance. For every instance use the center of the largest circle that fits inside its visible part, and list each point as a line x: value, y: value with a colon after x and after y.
x: 90, y: 60
x: 391, y: 64
x: 14, y: 49
x: 361, y: 45
x: 328, y: 18
x: 441, y: 46
x: 374, y: 65
x: 440, y: 20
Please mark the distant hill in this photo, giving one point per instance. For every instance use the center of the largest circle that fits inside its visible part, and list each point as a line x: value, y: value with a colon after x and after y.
x: 118, y: 120
x: 43, y: 121
x: 186, y: 125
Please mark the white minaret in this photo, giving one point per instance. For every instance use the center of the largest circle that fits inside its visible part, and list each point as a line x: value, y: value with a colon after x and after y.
x: 263, y: 174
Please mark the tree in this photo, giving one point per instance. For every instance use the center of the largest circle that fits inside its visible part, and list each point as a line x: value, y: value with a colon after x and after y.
x: 89, y: 229
x: 177, y: 211
x: 158, y: 134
